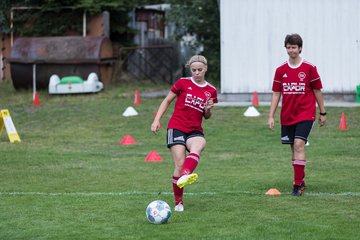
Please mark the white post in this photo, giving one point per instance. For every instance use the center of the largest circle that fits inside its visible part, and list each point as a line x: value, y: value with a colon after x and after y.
x: 34, y: 80
x: 84, y: 24
x: 11, y: 27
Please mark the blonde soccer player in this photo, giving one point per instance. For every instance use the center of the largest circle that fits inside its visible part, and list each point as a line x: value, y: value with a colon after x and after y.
x: 195, y: 98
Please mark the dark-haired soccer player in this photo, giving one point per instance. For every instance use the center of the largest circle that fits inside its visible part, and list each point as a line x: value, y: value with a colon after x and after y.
x: 195, y: 98
x: 298, y: 83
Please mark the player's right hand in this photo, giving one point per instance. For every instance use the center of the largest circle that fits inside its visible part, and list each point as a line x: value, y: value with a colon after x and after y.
x: 155, y: 126
x: 271, y: 123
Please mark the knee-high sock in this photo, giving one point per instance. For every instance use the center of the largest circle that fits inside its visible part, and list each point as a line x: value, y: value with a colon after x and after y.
x: 190, y: 163
x: 178, y: 192
x: 299, y: 171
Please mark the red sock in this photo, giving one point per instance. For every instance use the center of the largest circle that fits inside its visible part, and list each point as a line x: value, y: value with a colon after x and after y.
x: 178, y: 192
x: 190, y: 163
x: 299, y: 171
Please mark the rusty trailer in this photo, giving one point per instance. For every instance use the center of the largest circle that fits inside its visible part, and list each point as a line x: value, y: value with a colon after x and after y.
x: 62, y: 56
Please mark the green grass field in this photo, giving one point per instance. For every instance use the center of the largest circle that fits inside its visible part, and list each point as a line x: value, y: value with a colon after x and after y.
x: 69, y: 178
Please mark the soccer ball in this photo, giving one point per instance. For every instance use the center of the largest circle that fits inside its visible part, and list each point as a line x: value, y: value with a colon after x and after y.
x: 158, y: 212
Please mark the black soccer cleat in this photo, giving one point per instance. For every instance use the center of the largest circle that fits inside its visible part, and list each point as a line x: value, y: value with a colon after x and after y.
x: 297, y: 190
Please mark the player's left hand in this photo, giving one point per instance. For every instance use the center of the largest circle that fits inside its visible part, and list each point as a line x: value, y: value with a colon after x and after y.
x: 322, y: 120
x: 209, y: 104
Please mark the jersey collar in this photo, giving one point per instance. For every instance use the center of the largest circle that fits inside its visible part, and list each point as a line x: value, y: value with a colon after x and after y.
x: 204, y: 85
x: 301, y: 61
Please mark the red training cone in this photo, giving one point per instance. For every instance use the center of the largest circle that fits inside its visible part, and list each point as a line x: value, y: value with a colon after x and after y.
x: 153, y: 156
x: 137, y: 98
x: 255, y: 100
x: 36, y: 100
x: 127, y: 140
x: 343, y: 122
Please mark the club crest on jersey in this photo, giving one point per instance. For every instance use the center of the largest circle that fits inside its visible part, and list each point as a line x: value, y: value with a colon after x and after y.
x: 302, y: 76
x: 208, y: 95
x: 194, y: 102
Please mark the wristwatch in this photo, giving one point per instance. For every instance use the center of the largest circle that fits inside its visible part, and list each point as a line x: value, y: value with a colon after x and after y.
x: 323, y: 114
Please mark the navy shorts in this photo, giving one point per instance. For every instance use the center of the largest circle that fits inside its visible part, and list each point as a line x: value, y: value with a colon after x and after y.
x: 299, y: 130
x: 175, y: 137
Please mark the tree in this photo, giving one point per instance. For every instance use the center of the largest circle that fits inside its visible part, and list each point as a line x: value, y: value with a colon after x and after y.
x: 200, y: 18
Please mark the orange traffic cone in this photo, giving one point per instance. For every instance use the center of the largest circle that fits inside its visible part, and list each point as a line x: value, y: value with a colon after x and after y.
x: 36, y: 100
x: 273, y: 191
x: 137, y: 98
x: 127, y: 140
x: 255, y: 100
x: 153, y: 156
x: 343, y: 122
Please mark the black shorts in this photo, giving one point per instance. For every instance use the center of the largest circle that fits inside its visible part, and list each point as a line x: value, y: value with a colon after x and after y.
x: 175, y: 136
x: 298, y: 130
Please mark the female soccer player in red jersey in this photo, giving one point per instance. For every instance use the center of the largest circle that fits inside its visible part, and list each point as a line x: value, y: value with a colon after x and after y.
x: 298, y: 83
x: 195, y: 98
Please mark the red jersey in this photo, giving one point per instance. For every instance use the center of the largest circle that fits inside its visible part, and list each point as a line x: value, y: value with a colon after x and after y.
x: 190, y: 104
x: 296, y: 85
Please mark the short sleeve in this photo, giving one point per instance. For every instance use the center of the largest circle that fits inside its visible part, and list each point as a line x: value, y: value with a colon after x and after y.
x: 176, y: 88
x: 276, y: 87
x: 315, y: 80
x: 214, y: 97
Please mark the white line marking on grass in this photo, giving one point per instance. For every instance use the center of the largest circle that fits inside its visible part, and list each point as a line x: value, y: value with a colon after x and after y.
x: 321, y: 194
x: 332, y: 194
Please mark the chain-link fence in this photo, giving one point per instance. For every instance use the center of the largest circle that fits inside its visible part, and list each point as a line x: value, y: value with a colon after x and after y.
x: 157, y: 63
